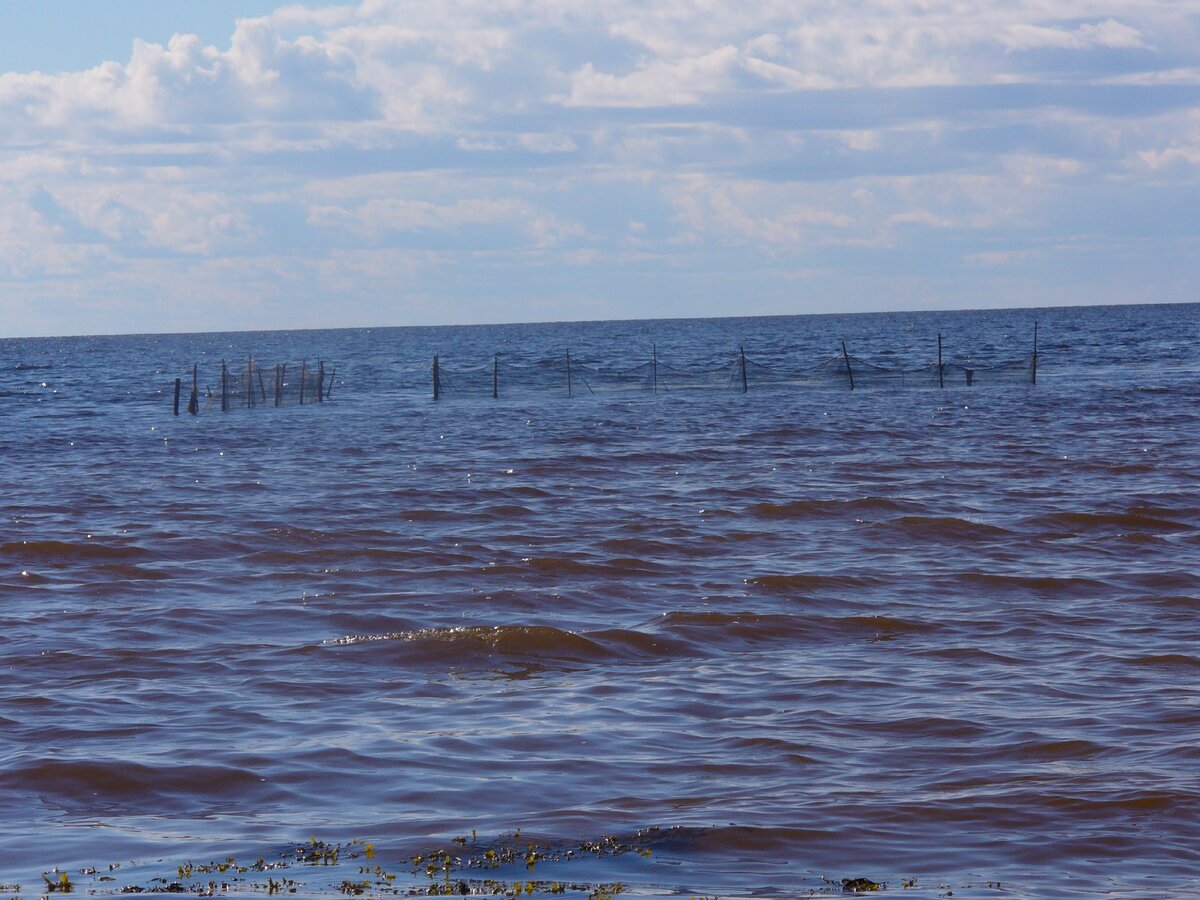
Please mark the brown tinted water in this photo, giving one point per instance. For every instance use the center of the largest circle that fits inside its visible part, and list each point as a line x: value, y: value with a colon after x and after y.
x: 808, y: 634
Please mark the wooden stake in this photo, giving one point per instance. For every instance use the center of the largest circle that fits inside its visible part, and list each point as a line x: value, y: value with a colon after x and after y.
x: 194, y: 402
x: 262, y: 388
x: 278, y: 384
x: 1033, y: 366
x: 654, y: 365
x: 303, y: 375
x: 568, y: 373
x: 224, y: 387
x: 320, y: 381
x: 496, y: 377
x: 849, y: 372
x: 437, y: 380
x: 745, y: 385
x: 329, y: 390
x: 941, y: 376
x: 178, y: 385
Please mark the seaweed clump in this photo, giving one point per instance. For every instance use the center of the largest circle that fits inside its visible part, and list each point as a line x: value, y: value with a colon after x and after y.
x: 62, y: 884
x: 859, y: 885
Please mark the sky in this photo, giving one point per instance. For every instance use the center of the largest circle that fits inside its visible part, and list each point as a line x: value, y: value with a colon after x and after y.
x: 240, y: 164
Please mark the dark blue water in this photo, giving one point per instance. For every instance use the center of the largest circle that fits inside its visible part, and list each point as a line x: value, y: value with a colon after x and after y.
x: 943, y: 639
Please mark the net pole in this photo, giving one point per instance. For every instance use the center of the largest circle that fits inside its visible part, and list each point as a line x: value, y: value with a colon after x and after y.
x: 849, y: 371
x: 496, y: 377
x: 329, y: 390
x: 262, y: 388
x: 303, y: 375
x: 249, y: 381
x: 278, y: 384
x: 745, y: 384
x: 320, y: 381
x: 568, y: 373
x: 224, y: 387
x: 654, y: 365
x: 941, y: 375
x: 1033, y: 364
x: 437, y: 380
x: 178, y: 386
x: 194, y: 401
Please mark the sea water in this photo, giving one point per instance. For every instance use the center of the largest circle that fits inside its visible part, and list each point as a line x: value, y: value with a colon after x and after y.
x: 746, y: 643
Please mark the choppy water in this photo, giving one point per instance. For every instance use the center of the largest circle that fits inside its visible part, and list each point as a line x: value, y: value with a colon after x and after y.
x: 948, y: 636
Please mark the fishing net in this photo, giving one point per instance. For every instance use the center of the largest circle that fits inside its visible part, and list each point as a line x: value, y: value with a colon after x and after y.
x: 253, y: 385
x: 569, y: 376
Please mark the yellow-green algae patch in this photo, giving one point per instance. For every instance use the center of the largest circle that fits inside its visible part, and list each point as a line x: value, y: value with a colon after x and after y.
x: 464, y: 866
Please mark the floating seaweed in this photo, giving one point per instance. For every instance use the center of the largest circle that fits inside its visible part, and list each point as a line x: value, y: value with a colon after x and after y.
x: 859, y: 885
x: 464, y: 866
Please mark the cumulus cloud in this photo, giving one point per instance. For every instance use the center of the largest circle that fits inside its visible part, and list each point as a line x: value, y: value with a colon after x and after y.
x: 1109, y: 33
x: 660, y: 83
x: 449, y: 142
x: 425, y: 67
x: 259, y: 78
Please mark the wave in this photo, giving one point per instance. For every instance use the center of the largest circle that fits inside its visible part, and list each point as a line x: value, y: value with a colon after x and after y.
x: 502, y: 512
x: 971, y: 655
x: 712, y: 629
x: 644, y: 547
x: 809, y: 582
x: 1164, y: 660
x: 1047, y: 750
x: 950, y: 528
x: 674, y: 635
x: 132, y: 786
x: 1042, y: 585
x: 51, y: 551
x: 742, y: 840
x: 563, y: 566
x: 809, y: 509
x: 1072, y: 523
x: 426, y: 514
x: 462, y: 645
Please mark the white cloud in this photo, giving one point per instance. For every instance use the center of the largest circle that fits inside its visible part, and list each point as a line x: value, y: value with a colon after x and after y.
x: 735, y: 210
x: 1109, y: 33
x: 330, y: 148
x: 921, y: 217
x: 376, y: 218
x: 182, y: 219
x: 1002, y: 257
x: 413, y: 215
x: 534, y: 142
x: 661, y: 83
x: 1161, y: 159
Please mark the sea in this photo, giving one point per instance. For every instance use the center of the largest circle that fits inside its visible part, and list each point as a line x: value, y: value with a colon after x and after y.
x: 661, y: 638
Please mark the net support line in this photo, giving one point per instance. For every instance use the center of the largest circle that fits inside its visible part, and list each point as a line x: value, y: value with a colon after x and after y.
x: 562, y: 374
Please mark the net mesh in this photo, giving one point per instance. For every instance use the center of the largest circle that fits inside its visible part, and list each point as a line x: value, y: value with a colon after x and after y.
x: 252, y: 385
x: 570, y: 376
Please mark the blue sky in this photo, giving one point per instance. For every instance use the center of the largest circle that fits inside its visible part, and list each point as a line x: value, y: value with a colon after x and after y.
x: 72, y: 35
x: 236, y: 164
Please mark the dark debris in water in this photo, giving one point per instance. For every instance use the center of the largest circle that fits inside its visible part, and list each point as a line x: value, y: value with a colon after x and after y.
x: 465, y: 866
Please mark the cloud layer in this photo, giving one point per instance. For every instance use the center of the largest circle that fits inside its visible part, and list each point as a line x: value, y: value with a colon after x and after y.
x: 469, y: 161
